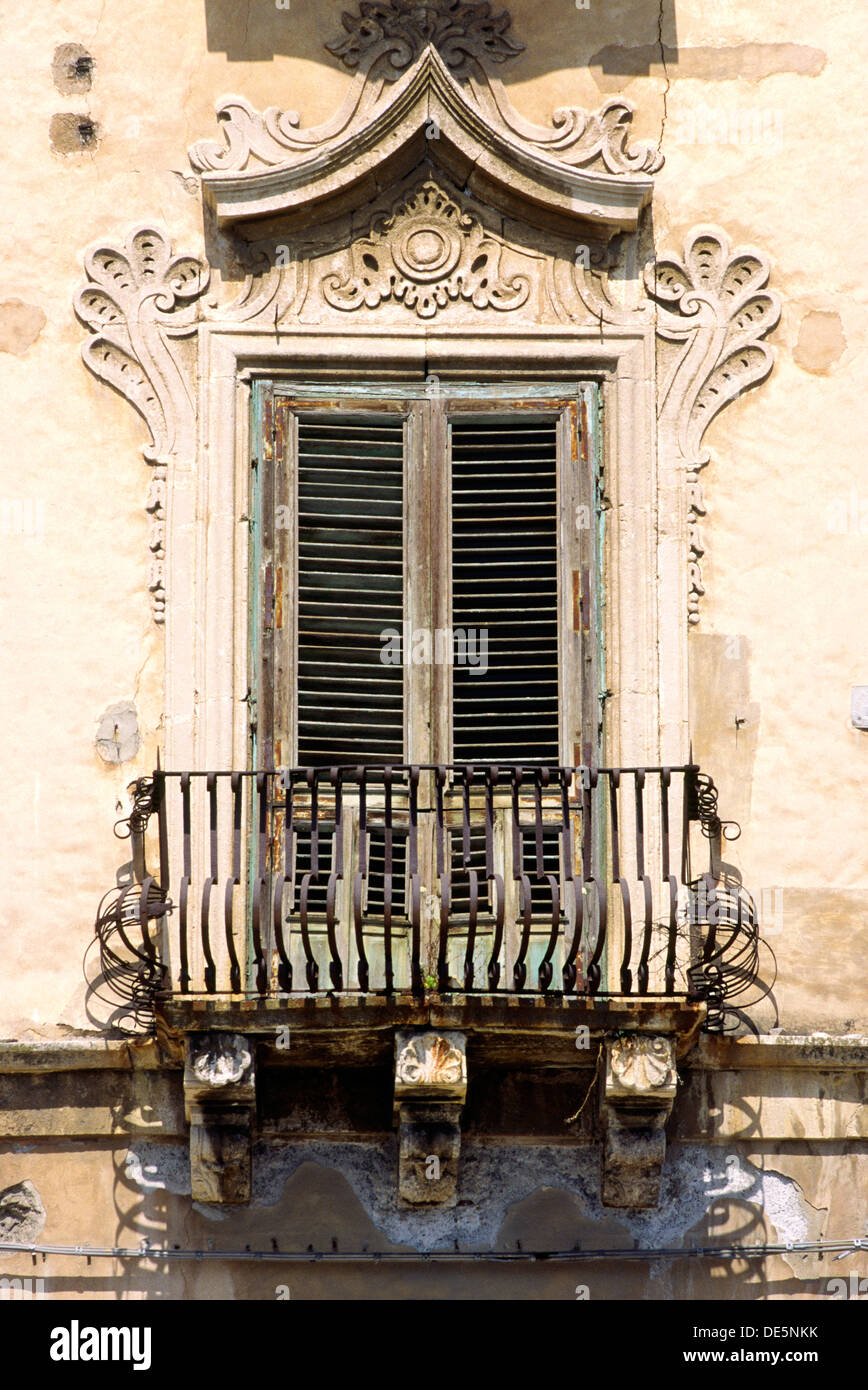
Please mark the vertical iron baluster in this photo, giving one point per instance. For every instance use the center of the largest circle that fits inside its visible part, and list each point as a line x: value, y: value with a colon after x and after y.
x: 210, y: 967
x: 417, y: 983
x: 311, y: 967
x: 642, y: 971
x: 232, y: 883
x: 387, y: 881
x: 519, y: 969
x: 669, y: 879
x: 360, y: 878
x: 444, y: 877
x: 545, y: 970
x: 260, y: 897
x: 468, y: 773
x: 184, y: 894
x: 284, y: 969
x: 336, y: 970
x: 572, y: 885
x: 164, y: 879
x: 495, y: 880
x: 626, y: 973
x: 590, y: 785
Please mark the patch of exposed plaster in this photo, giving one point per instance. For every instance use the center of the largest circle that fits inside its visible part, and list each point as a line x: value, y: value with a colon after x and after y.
x: 821, y: 342
x: 495, y: 1182
x: 747, y: 61
x: 72, y: 68
x: 20, y: 326
x: 72, y: 132
x: 117, y: 736
x: 22, y: 1215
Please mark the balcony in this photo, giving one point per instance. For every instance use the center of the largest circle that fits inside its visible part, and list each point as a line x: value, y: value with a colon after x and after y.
x: 411, y: 883
x: 534, y: 918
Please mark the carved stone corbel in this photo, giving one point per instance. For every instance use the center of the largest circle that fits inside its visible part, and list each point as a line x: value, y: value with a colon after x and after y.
x: 714, y: 308
x: 219, y: 1102
x: 139, y: 301
x: 639, y: 1091
x: 430, y: 1089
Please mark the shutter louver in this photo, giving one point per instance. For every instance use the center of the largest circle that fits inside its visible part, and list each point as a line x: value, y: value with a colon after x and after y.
x: 350, y: 588
x: 505, y: 585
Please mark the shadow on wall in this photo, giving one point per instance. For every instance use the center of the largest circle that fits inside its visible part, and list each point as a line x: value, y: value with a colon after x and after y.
x: 623, y: 43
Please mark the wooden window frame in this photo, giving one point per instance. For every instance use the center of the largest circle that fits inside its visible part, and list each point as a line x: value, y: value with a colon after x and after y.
x: 427, y: 548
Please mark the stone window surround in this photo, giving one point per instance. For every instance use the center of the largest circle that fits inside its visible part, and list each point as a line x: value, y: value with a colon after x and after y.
x: 207, y: 674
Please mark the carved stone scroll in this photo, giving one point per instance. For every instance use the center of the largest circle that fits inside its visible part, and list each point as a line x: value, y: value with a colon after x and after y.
x: 139, y: 300
x: 714, y: 306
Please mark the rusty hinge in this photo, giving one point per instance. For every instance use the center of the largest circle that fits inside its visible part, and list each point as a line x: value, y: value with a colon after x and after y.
x: 582, y: 600
x: 268, y: 597
x: 269, y: 431
x: 250, y: 701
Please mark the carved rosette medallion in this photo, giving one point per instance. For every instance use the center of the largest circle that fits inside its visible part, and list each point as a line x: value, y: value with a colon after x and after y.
x: 138, y: 300
x: 426, y: 253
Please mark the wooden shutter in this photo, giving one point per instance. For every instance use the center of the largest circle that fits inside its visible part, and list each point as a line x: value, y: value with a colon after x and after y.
x: 350, y: 472
x: 504, y: 472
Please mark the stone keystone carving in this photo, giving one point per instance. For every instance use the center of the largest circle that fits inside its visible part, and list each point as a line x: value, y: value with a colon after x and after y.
x: 639, y: 1092
x: 393, y: 33
x: 713, y: 305
x: 427, y: 252
x: 138, y: 300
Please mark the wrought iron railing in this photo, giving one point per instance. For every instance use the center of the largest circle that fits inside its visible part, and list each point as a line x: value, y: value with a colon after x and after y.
x: 454, y: 879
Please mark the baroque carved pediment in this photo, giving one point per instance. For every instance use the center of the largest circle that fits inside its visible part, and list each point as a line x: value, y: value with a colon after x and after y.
x: 582, y: 168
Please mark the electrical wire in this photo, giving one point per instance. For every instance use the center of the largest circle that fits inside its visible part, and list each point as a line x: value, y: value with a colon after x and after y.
x: 716, y: 1252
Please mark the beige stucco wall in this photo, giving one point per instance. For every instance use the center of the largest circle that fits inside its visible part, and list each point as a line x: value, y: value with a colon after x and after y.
x: 77, y: 631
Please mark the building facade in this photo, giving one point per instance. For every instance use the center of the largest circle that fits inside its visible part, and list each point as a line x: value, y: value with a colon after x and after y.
x: 428, y: 493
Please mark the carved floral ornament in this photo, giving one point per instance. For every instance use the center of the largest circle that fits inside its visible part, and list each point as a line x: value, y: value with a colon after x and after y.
x: 399, y: 30
x: 714, y: 306
x: 425, y: 254
x: 143, y: 304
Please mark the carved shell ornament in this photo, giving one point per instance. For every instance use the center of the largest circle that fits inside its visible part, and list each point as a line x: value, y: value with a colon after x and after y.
x: 430, y: 1060
x: 426, y: 253
x: 222, y: 1061
x: 398, y: 31
x: 640, y: 1063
